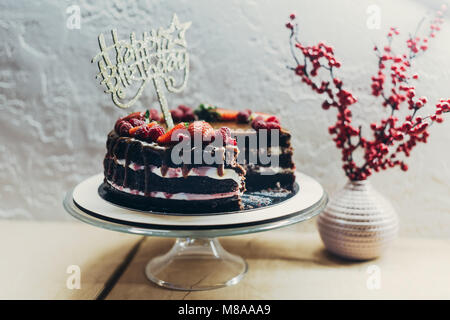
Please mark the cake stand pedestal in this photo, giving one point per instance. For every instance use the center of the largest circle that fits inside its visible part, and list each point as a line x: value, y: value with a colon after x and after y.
x: 208, y: 265
x: 196, y: 261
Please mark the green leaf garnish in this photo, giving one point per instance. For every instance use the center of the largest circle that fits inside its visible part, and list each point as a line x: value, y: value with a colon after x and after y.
x: 207, y: 112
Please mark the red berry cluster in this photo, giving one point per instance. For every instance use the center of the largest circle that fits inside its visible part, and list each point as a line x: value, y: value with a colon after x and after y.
x: 391, y: 136
x: 140, y: 125
x: 150, y: 132
x: 182, y: 113
x: 135, y: 119
x: 270, y: 123
x: 124, y: 124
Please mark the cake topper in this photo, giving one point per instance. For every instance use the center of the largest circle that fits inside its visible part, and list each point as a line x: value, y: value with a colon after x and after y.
x: 157, y: 57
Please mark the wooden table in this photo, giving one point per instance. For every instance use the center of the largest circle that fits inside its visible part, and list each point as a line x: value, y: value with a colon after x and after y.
x: 284, y: 264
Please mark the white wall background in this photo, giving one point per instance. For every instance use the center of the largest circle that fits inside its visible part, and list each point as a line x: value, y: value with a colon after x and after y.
x: 54, y: 116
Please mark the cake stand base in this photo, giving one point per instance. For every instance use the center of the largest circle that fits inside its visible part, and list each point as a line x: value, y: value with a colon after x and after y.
x: 197, y: 261
x: 196, y: 264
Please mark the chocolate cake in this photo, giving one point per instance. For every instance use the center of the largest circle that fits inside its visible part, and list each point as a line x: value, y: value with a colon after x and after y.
x: 172, y: 171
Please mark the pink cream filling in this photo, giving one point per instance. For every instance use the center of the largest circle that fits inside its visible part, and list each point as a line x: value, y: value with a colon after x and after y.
x: 205, y: 171
x: 176, y: 196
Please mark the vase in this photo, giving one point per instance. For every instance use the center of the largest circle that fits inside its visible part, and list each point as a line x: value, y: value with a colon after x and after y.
x: 358, y: 223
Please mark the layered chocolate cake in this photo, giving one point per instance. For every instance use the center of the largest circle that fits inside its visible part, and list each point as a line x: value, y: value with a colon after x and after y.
x: 203, y: 164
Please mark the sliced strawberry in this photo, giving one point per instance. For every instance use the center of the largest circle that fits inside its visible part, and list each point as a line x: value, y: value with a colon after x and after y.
x: 227, y: 115
x: 132, y: 131
x: 167, y: 137
x: 202, y: 128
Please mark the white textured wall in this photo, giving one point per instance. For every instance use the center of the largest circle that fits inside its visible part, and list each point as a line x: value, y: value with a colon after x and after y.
x: 54, y: 116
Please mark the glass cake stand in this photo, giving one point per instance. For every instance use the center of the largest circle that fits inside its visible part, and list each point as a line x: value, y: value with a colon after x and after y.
x: 197, y: 261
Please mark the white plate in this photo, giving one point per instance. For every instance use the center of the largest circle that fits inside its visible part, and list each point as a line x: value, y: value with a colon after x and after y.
x: 86, y: 198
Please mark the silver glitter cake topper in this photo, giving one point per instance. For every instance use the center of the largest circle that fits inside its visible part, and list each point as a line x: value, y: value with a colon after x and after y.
x: 157, y: 57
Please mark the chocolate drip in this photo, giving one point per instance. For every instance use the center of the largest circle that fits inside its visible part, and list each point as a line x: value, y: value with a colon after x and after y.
x: 109, y: 155
x: 116, y: 144
x: 146, y: 174
x: 108, y: 171
x: 164, y: 169
x: 127, y: 163
x: 185, y: 170
x: 220, y: 170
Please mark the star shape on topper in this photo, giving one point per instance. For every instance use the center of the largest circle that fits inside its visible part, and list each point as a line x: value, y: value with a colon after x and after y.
x: 159, y: 57
x: 180, y: 28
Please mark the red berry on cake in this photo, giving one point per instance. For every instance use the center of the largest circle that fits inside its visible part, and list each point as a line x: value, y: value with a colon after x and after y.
x: 244, y: 116
x: 227, y: 137
x: 188, y: 113
x: 259, y: 124
x: 189, y: 116
x: 133, y: 132
x: 225, y: 132
x: 273, y: 119
x: 135, y: 122
x: 224, y: 135
x: 118, y: 124
x: 177, y: 115
x: 143, y: 133
x: 271, y: 125
x: 182, y: 114
x: 155, y: 132
x: 154, y: 115
x: 167, y: 137
x: 124, y: 128
x: 184, y: 108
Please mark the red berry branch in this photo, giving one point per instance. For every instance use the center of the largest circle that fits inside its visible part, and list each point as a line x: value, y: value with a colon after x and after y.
x: 390, y: 138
